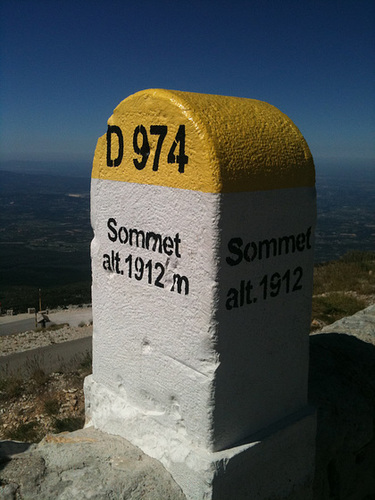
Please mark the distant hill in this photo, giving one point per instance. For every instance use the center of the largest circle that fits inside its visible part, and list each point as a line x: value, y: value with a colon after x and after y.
x: 63, y: 168
x: 14, y: 183
x: 45, y: 236
x: 346, y: 208
x: 45, y: 232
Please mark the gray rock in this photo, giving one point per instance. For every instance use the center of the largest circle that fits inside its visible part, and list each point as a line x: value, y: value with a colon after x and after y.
x: 85, y: 464
x: 361, y: 325
x: 342, y: 388
x: 8, y: 491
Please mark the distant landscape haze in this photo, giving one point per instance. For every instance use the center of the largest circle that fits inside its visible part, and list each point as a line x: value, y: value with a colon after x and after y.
x: 45, y: 229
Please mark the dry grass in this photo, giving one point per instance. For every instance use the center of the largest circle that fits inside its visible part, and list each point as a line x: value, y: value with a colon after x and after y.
x: 343, y: 287
x: 42, y: 404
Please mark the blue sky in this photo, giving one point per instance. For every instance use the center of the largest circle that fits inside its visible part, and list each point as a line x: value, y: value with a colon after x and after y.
x: 66, y: 64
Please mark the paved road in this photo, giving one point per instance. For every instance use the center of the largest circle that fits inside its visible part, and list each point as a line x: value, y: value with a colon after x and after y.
x: 24, y: 322
x: 64, y: 356
x: 17, y: 326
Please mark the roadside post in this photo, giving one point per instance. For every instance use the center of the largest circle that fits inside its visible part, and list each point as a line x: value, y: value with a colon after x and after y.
x: 203, y: 211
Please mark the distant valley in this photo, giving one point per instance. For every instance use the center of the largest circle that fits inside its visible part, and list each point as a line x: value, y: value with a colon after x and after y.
x: 346, y: 209
x: 45, y: 236
x: 45, y: 229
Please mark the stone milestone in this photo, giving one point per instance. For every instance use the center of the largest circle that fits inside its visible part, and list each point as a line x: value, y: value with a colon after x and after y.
x: 203, y: 210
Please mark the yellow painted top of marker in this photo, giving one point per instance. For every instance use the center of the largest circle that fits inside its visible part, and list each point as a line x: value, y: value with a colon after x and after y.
x: 202, y: 142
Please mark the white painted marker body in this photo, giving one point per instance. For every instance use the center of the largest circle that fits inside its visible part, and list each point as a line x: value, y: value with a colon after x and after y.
x: 176, y: 335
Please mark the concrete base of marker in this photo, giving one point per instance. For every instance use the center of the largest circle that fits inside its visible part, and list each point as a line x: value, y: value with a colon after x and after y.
x: 276, y: 463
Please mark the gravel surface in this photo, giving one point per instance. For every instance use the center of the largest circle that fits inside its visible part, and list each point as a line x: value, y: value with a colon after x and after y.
x: 63, y: 326
x: 32, y: 339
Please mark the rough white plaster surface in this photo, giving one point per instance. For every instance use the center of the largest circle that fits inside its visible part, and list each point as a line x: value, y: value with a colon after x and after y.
x: 275, y: 463
x: 201, y: 340
x: 152, y: 343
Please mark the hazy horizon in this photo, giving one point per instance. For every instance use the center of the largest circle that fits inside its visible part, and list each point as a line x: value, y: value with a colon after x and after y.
x: 83, y: 168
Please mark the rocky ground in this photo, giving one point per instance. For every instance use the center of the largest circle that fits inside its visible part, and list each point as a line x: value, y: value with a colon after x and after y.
x: 43, y: 404
x: 33, y: 339
x: 29, y: 409
x: 81, y: 465
x: 87, y: 463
